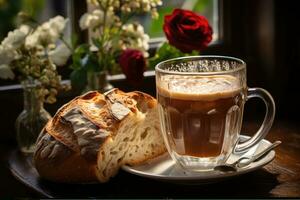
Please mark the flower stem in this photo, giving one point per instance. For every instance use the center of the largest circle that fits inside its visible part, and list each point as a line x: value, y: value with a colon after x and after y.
x: 101, y: 50
x: 66, y: 43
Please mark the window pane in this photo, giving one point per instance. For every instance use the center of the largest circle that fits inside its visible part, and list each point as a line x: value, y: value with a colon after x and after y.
x: 207, y: 8
x: 41, y: 10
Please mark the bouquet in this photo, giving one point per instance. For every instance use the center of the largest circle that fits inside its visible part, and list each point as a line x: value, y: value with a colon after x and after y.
x: 31, y: 53
x: 117, y: 43
x: 187, y: 34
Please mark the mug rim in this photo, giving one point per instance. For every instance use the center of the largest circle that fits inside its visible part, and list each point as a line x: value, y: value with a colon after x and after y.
x: 241, y: 67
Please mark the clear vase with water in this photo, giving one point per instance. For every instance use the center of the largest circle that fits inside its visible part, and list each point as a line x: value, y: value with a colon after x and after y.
x: 32, y: 119
x: 97, y: 80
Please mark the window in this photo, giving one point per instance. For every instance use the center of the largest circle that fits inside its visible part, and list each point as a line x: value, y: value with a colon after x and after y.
x: 45, y: 9
x: 41, y: 10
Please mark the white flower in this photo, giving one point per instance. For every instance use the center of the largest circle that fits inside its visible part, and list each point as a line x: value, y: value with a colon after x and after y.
x: 25, y: 29
x: 128, y: 28
x: 96, y: 18
x: 58, y: 24
x: 135, y: 37
x: 6, y: 55
x: 32, y: 40
x: 91, y: 20
x: 116, y: 4
x: 129, y: 6
x: 60, y: 55
x: 134, y: 30
x: 146, y: 5
x: 134, y: 4
x: 93, y: 2
x: 15, y: 38
x: 154, y: 13
x: 126, y: 8
x: 6, y: 72
x: 47, y: 33
x: 52, y: 30
x: 155, y: 3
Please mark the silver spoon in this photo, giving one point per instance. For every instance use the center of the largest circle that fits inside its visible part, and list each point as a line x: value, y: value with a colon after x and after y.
x: 238, y: 164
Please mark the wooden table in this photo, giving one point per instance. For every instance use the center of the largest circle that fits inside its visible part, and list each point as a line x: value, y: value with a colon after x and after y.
x: 280, y: 178
x: 286, y: 166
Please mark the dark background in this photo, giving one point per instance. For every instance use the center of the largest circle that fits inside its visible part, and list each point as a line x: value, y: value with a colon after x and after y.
x: 264, y: 33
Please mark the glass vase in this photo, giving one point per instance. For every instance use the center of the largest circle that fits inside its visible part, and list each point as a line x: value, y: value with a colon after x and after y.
x: 97, y: 81
x: 32, y: 119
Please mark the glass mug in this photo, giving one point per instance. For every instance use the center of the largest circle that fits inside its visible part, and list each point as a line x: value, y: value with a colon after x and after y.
x: 201, y: 102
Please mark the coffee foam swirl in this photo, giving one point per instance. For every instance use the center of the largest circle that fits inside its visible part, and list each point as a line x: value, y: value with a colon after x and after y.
x: 199, y: 87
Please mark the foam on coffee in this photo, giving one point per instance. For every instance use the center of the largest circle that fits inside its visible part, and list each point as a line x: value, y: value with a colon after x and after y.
x: 206, y: 88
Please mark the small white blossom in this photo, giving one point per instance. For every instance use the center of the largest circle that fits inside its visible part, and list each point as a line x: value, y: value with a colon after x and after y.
x: 47, y: 33
x: 6, y: 72
x: 60, y: 55
x: 126, y: 8
x: 58, y: 24
x: 135, y: 37
x: 139, y: 6
x: 3, y: 56
x: 128, y: 28
x: 93, y: 2
x: 51, y: 47
x: 154, y: 13
x: 146, y: 6
x: 134, y: 4
x: 15, y: 38
x: 32, y: 40
x: 96, y: 18
x: 6, y: 55
x: 116, y: 4
x: 25, y: 29
x: 91, y: 20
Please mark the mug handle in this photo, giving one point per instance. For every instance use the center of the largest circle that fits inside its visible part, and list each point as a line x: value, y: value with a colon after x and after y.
x: 267, y: 123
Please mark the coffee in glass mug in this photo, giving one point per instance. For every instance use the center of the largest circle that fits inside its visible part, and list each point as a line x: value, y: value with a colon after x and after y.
x: 201, y: 101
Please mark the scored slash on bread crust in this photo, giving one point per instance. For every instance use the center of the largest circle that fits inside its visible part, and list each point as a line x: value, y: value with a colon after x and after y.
x: 93, y: 135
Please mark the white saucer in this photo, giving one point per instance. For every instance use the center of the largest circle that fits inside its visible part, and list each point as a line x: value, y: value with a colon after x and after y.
x: 163, y: 168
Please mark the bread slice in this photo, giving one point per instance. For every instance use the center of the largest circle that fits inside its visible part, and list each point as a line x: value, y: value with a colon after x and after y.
x: 93, y: 135
x: 136, y: 140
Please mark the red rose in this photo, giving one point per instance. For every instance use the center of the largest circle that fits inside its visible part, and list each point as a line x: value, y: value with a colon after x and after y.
x: 187, y: 31
x: 133, y: 65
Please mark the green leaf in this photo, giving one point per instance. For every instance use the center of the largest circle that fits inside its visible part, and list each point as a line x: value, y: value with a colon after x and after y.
x: 97, y: 43
x: 202, y: 5
x: 165, y: 52
x: 78, y: 54
x: 194, y: 53
x: 83, y: 61
x: 89, y: 62
x: 82, y: 49
x: 74, y: 40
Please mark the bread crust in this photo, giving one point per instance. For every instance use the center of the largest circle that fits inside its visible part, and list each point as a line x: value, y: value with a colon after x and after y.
x: 64, y: 166
x: 68, y: 147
